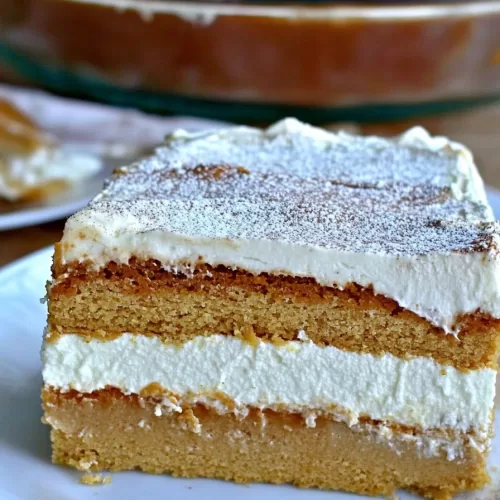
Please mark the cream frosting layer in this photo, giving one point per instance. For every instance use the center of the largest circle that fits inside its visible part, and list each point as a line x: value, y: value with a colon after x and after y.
x: 20, y: 174
x: 365, y: 226
x: 300, y: 375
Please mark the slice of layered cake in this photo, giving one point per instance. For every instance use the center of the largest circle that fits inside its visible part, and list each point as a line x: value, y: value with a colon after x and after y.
x: 33, y: 164
x: 289, y: 305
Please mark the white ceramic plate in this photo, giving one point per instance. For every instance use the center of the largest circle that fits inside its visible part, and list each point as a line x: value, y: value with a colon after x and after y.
x: 25, y: 468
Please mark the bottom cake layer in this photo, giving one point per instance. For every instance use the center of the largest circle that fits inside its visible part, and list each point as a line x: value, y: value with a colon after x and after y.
x: 107, y: 430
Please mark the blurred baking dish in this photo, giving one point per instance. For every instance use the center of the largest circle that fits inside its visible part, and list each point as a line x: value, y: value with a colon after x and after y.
x: 253, y: 60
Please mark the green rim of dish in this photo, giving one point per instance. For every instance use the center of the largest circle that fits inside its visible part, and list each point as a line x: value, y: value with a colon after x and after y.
x: 64, y: 81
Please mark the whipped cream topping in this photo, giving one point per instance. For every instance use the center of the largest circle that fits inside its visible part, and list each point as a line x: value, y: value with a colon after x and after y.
x: 404, y: 216
x: 236, y: 182
x: 303, y: 376
x: 20, y: 174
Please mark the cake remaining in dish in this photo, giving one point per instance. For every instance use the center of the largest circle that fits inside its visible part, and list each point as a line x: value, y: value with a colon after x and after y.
x: 33, y: 166
x: 287, y: 305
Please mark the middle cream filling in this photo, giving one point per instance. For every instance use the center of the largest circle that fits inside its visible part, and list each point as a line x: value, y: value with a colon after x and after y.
x: 298, y: 376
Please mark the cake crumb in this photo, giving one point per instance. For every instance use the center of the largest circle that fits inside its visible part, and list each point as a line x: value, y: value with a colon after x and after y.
x: 94, y: 480
x: 310, y: 420
x: 247, y: 334
x: 190, y: 421
x: 143, y: 425
x: 278, y: 341
x: 302, y: 336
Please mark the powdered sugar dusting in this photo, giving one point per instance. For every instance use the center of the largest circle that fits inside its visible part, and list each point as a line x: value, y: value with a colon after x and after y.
x: 333, y: 190
x: 360, y: 227
x: 223, y: 181
x: 299, y: 184
x: 297, y: 149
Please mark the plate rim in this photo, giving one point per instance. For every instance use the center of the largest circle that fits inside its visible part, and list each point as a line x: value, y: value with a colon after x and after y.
x: 40, y: 215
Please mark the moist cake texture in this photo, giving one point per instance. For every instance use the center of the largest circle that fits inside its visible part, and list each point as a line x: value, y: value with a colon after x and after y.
x: 244, y: 301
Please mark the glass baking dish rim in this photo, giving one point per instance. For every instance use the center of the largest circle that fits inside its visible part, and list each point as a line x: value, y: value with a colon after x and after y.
x: 320, y: 11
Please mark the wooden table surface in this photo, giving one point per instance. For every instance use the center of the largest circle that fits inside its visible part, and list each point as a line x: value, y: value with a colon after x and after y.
x: 19, y: 242
x: 479, y: 129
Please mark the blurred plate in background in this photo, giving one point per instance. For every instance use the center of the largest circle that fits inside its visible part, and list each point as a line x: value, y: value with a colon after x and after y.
x: 16, y: 215
x: 118, y: 136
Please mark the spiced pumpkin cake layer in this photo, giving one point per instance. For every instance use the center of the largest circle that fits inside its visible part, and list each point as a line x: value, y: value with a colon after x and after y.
x: 292, y: 272
x: 179, y: 307
x: 109, y: 430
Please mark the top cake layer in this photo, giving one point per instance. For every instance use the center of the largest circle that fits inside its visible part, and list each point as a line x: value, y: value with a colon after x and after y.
x: 405, y: 216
